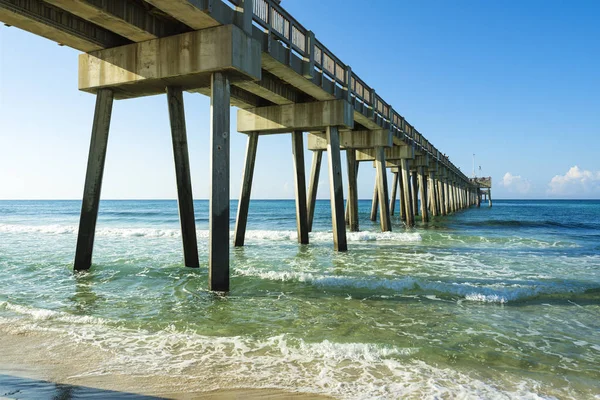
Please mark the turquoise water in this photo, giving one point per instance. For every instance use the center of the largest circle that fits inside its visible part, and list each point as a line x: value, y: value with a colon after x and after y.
x: 486, y: 303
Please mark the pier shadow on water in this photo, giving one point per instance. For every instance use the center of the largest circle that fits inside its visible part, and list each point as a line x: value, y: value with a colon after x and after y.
x: 14, y: 387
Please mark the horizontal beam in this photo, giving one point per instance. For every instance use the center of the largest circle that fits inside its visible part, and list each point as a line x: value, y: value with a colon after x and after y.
x: 186, y: 60
x: 58, y: 25
x: 291, y: 117
x: 393, y: 153
x: 128, y: 18
x: 353, y: 140
x: 197, y: 14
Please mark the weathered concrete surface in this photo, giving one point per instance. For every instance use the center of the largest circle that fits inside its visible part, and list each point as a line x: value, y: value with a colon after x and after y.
x: 186, y: 60
x: 354, y: 139
x: 290, y: 117
x: 51, y: 22
x: 126, y: 18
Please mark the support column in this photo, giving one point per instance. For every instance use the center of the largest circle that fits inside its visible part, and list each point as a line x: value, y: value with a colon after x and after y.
x: 218, y: 258
x: 185, y: 199
x: 410, y: 219
x: 478, y: 200
x: 352, y: 190
x: 300, y: 183
x: 434, y: 195
x: 244, y: 203
x: 401, y: 196
x: 423, y: 193
x: 384, y: 209
x: 490, y: 197
x: 375, y: 202
x: 447, y: 197
x: 347, y: 217
x: 394, y: 188
x: 441, y: 196
x: 414, y: 192
x: 93, y: 180
x: 336, y: 189
x: 314, y: 186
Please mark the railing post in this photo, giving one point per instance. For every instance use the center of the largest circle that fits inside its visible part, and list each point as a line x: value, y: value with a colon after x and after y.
x: 348, y: 95
x: 244, y: 14
x: 309, y: 61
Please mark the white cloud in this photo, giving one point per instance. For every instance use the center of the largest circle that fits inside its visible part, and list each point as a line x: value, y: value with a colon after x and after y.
x: 515, y: 183
x: 575, y: 182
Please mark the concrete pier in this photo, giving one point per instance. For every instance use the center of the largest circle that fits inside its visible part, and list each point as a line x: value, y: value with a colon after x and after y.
x: 251, y: 54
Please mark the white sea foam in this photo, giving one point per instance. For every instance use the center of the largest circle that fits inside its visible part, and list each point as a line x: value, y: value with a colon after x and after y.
x: 471, y: 291
x: 344, y: 370
x: 40, y: 314
x: 270, y: 235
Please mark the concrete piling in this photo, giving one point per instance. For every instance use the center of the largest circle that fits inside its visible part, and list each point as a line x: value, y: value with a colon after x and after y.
x: 382, y: 186
x: 93, y: 180
x: 185, y: 200
x: 244, y: 202
x: 314, y: 186
x: 218, y: 262
x: 300, y: 184
x: 336, y: 189
x: 352, y: 205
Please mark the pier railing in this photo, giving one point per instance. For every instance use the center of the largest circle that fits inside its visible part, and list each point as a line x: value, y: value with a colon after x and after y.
x: 336, y: 77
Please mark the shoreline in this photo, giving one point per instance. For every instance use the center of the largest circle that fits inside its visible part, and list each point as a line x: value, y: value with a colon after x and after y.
x: 34, y: 365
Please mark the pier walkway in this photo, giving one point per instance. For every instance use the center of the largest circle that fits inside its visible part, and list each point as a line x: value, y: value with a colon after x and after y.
x: 254, y: 55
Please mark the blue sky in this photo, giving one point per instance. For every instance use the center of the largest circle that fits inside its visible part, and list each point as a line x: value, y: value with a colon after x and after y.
x: 517, y: 83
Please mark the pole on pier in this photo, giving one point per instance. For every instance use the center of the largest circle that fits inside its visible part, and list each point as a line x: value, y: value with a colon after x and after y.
x: 401, y: 195
x: 447, y: 196
x: 414, y: 192
x: 423, y: 193
x: 185, y: 199
x: 410, y: 218
x: 384, y: 208
x: 314, y: 186
x: 348, y: 201
x: 336, y: 189
x: 375, y: 202
x: 93, y: 180
x: 244, y: 204
x: 433, y: 194
x: 352, y: 205
x: 394, y: 188
x: 300, y: 183
x: 218, y: 262
x: 442, y: 197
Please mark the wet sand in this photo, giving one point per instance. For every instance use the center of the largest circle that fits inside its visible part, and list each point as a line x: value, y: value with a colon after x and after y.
x: 34, y: 366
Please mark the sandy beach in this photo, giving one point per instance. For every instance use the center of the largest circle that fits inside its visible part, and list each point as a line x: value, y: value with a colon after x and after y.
x: 34, y: 366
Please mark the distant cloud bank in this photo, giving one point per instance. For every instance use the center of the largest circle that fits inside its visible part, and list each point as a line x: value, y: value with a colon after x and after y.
x: 576, y: 182
x: 515, y: 184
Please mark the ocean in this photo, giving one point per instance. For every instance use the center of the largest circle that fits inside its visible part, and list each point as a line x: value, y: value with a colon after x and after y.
x: 493, y: 303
